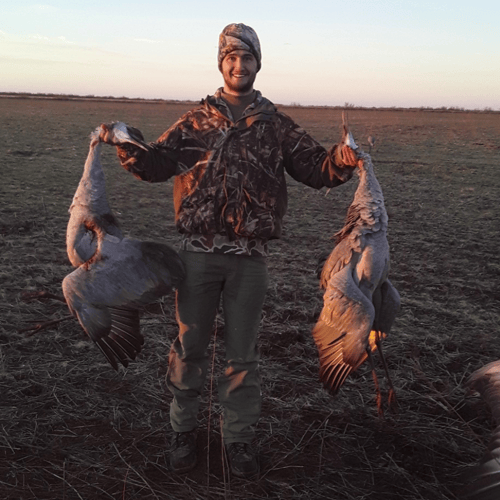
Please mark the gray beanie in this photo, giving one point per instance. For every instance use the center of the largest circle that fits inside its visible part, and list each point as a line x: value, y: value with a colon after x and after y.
x: 239, y: 37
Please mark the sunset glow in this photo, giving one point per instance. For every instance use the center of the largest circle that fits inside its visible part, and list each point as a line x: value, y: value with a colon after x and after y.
x: 367, y: 53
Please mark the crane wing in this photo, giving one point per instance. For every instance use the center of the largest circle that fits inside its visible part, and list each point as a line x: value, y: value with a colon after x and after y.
x: 342, y: 331
x: 163, y: 263
x: 106, y: 294
x: 387, y: 303
x: 114, y: 329
x: 341, y: 256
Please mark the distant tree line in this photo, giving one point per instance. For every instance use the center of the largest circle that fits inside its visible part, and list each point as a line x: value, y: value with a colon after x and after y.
x: 347, y: 105
x: 75, y: 97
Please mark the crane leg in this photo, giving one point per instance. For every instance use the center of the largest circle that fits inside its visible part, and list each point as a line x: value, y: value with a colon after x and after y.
x: 377, y: 385
x: 391, y: 399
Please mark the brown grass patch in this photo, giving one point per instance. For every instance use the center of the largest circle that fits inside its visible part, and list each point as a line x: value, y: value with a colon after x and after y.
x: 72, y: 428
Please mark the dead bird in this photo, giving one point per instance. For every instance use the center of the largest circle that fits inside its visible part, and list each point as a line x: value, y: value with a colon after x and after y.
x: 115, y: 275
x: 483, y: 481
x: 360, y: 303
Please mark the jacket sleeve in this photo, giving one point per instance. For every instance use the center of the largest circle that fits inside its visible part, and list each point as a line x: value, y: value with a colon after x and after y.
x: 309, y: 162
x: 162, y: 159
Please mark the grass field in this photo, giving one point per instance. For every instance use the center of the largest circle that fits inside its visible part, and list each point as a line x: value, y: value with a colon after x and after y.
x: 72, y: 428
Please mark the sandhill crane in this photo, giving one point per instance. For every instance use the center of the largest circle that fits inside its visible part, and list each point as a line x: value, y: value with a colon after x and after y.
x: 115, y: 275
x: 483, y: 482
x: 360, y: 303
x: 371, y: 143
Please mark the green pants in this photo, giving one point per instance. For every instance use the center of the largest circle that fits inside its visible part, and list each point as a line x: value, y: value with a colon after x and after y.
x: 242, y: 282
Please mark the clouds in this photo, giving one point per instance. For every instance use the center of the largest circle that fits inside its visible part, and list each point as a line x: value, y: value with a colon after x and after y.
x: 42, y: 48
x: 131, y: 67
x: 15, y: 43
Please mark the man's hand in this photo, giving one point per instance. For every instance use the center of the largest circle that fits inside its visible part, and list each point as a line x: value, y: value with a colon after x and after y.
x: 345, y: 156
x: 348, y: 156
x: 107, y: 135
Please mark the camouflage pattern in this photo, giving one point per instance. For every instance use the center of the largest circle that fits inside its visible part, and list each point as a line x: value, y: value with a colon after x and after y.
x: 219, y: 243
x: 230, y: 177
x: 239, y: 37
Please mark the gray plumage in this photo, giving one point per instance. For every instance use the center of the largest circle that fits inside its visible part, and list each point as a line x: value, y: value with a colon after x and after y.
x: 483, y: 482
x: 115, y: 275
x: 371, y: 143
x: 360, y: 303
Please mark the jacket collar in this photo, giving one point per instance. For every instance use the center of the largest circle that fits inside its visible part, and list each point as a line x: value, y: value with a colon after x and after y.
x: 260, y: 109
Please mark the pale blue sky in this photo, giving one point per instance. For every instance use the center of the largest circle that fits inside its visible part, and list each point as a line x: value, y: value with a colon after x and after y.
x: 323, y: 52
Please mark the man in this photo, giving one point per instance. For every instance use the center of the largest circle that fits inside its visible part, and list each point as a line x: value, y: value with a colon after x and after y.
x: 229, y: 156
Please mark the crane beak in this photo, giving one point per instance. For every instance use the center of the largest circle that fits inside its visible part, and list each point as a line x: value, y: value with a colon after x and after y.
x: 348, y: 138
x: 349, y: 141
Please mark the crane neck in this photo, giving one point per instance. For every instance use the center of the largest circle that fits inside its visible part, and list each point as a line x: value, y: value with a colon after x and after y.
x: 92, y: 188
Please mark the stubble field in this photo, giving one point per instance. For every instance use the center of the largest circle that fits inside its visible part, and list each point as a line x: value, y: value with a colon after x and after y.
x: 72, y: 428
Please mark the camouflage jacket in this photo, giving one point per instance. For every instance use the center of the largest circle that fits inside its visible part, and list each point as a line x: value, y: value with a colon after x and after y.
x: 230, y: 177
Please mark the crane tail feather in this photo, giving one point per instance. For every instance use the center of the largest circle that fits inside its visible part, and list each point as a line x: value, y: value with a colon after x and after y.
x: 108, y: 353
x: 115, y: 350
x: 125, y: 334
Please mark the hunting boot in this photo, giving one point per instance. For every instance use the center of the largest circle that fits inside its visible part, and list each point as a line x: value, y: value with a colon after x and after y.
x: 183, y: 451
x: 242, y: 460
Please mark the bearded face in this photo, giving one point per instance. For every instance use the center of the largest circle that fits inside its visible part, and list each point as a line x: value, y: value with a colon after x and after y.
x: 239, y: 69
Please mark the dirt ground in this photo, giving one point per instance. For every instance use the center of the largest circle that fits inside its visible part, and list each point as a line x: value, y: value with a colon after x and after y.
x: 72, y: 428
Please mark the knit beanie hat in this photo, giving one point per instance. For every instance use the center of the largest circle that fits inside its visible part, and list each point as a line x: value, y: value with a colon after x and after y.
x: 239, y: 37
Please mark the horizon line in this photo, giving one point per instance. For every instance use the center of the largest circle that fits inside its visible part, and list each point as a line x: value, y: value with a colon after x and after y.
x: 78, y: 97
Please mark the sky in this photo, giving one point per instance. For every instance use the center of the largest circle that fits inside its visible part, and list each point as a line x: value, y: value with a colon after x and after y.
x: 374, y: 53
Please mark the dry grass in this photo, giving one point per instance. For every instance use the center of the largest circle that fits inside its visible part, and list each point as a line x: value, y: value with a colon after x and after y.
x: 71, y: 428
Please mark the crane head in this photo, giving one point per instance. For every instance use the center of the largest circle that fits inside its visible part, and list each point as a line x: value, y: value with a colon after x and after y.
x: 347, y: 138
x: 118, y: 133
